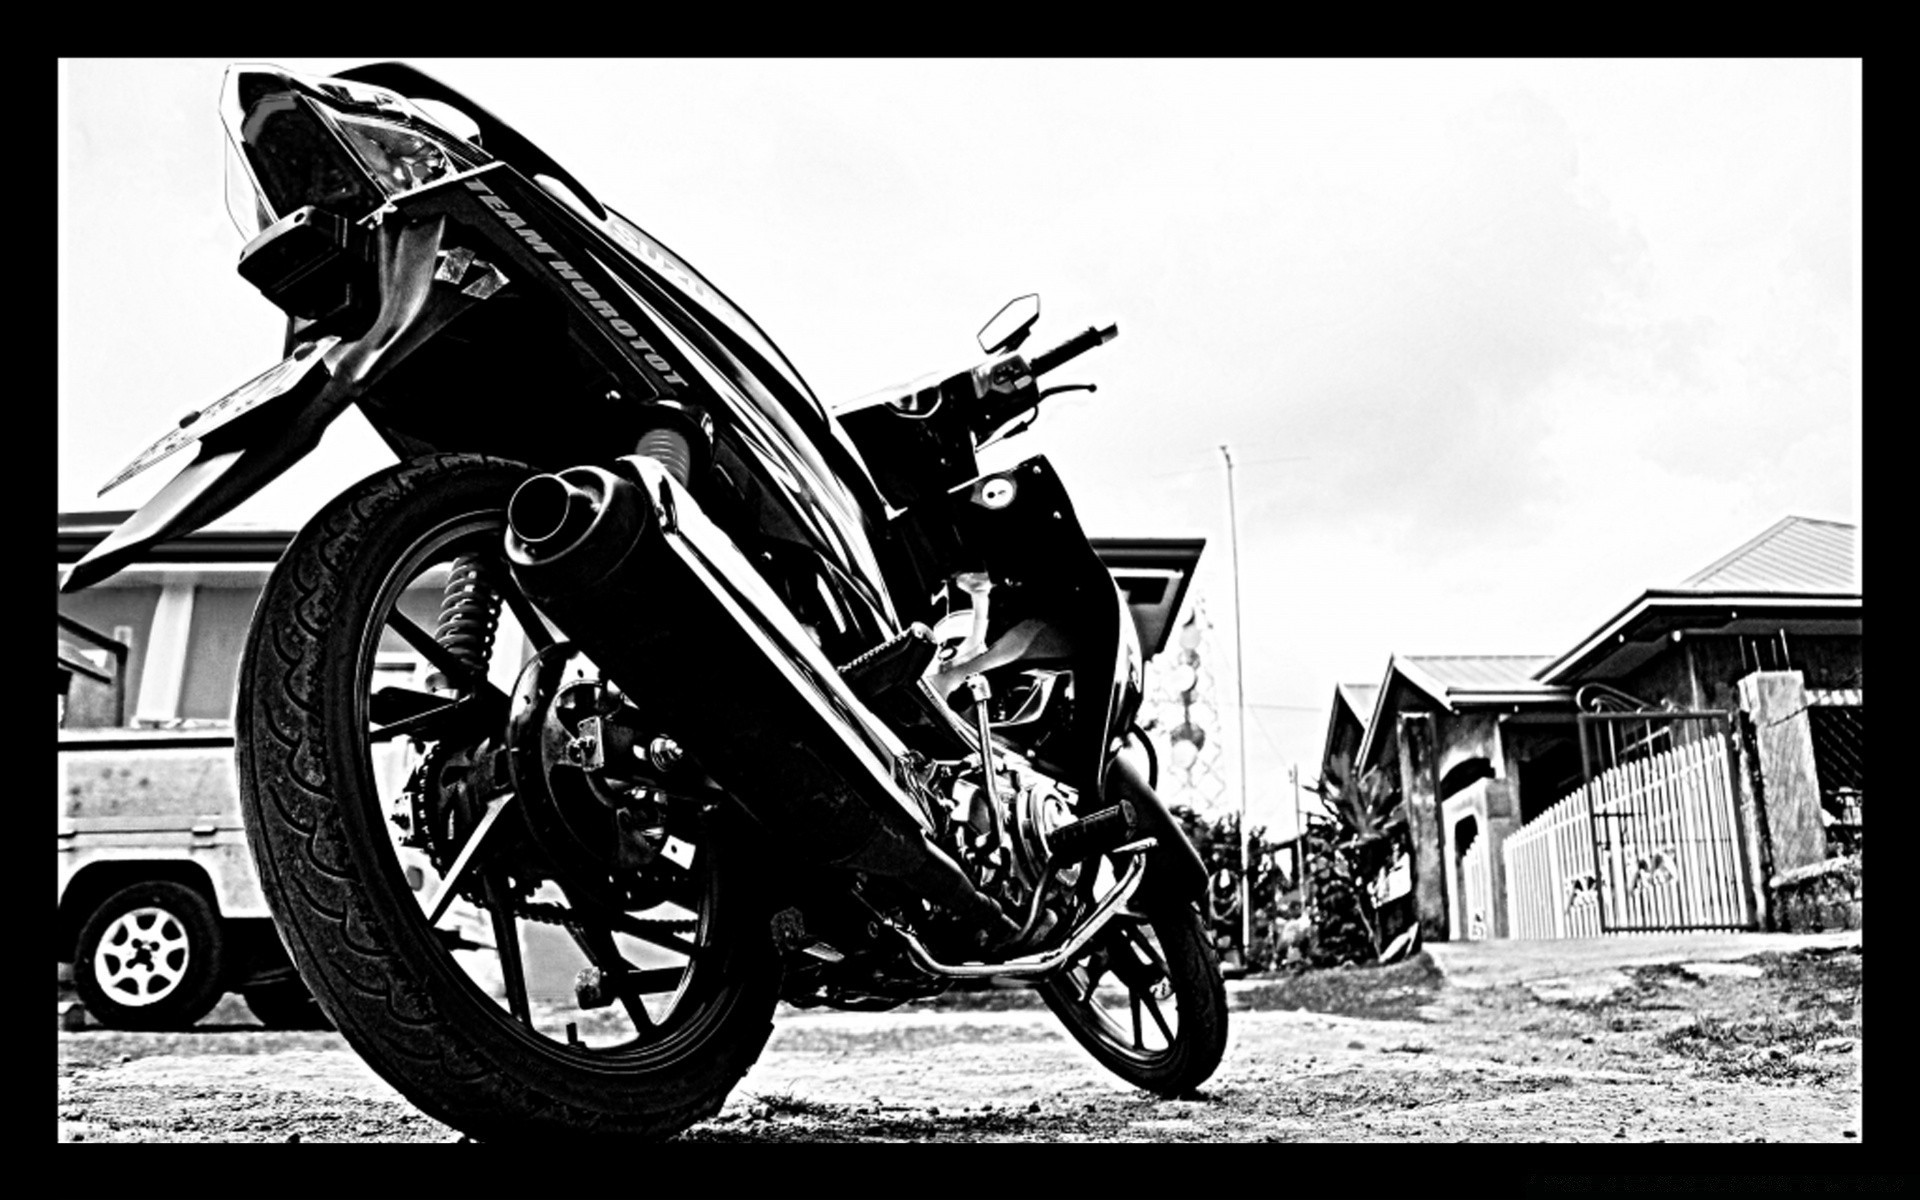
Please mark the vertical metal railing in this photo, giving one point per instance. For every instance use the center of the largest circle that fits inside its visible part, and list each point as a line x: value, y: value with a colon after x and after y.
x: 1646, y: 847
x: 1552, y: 891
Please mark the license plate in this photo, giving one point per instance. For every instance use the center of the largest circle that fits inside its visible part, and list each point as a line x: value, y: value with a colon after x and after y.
x: 276, y: 380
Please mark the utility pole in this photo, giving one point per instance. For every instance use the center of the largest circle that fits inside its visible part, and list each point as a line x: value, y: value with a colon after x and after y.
x: 1240, y: 688
x: 1299, y: 837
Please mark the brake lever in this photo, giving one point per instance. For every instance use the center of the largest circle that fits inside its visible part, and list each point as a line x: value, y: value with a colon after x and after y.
x: 1068, y: 387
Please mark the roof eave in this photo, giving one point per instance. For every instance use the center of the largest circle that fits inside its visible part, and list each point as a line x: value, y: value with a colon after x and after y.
x: 1333, y: 726
x: 1655, y: 599
x: 1504, y: 697
x: 1373, y: 722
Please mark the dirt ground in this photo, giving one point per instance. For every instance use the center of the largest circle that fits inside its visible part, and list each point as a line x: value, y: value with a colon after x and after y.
x: 1766, y: 1048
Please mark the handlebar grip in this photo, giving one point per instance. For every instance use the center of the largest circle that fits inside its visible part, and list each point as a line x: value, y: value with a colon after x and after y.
x: 1072, y: 348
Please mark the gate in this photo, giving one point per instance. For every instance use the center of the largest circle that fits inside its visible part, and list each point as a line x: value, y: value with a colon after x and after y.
x: 1665, y: 832
x: 1650, y: 843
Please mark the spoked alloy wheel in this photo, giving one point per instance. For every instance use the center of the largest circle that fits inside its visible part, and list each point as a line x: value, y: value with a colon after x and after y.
x: 436, y: 931
x: 1146, y: 999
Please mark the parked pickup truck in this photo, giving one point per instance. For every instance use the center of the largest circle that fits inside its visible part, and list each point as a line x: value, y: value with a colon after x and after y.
x: 159, y: 909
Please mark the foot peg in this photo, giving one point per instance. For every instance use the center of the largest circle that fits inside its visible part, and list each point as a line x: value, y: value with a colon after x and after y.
x: 893, y: 663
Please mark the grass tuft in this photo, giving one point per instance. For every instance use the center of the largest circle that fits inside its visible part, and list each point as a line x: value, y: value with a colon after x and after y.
x: 1762, y: 1048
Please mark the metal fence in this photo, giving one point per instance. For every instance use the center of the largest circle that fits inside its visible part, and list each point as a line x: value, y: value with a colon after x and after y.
x: 1667, y: 856
x: 1839, y: 758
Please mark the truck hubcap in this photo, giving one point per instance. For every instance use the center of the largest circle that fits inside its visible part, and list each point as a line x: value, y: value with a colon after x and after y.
x: 142, y: 957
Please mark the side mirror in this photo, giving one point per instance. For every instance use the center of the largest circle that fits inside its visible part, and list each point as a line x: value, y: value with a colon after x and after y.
x: 1011, y: 325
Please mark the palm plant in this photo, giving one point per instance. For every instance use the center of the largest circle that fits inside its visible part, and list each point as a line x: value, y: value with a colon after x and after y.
x: 1367, y: 831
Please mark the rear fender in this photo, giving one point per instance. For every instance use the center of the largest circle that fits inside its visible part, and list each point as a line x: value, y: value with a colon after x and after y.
x: 239, y: 457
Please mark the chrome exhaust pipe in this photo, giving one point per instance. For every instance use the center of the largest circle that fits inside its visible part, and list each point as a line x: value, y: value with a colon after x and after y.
x: 627, y: 564
x: 549, y: 513
x: 1037, y: 965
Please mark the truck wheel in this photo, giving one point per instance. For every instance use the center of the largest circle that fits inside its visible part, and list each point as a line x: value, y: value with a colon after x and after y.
x: 150, y: 957
x: 286, y: 1004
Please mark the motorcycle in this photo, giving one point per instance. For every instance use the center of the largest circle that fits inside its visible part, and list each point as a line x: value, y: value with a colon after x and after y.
x: 753, y: 701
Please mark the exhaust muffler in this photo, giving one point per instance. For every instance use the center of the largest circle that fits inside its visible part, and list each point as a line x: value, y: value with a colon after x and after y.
x: 662, y: 601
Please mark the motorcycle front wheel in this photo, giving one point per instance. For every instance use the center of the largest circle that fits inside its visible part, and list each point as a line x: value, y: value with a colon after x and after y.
x: 364, y: 788
x: 1146, y: 999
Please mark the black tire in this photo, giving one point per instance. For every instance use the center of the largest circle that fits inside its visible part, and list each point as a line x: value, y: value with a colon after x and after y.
x: 354, y: 927
x: 1173, y: 960
x: 152, y: 956
x: 286, y: 1004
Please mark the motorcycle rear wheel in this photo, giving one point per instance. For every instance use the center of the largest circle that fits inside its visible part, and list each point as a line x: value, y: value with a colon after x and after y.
x: 415, y: 998
x: 1147, y: 1000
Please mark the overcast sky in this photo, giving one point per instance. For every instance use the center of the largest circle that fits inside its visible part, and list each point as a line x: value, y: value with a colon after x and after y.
x: 1496, y: 345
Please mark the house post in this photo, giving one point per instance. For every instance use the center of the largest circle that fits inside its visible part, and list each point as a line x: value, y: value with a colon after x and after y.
x: 1502, y: 819
x: 1783, y: 736
x: 1419, y: 792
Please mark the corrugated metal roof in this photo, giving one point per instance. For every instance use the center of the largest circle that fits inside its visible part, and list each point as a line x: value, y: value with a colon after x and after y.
x: 1798, y: 554
x: 1453, y: 671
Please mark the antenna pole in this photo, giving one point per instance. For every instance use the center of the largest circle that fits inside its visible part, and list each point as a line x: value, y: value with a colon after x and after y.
x: 1240, y: 689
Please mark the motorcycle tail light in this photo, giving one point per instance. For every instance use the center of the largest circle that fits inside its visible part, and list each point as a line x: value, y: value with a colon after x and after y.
x: 345, y: 147
x: 399, y: 158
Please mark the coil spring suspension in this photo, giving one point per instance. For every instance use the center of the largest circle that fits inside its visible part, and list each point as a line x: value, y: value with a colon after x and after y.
x: 470, y: 610
x: 669, y: 448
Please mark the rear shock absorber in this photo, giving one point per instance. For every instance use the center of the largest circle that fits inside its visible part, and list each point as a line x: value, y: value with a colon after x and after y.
x: 680, y: 438
x: 668, y: 447
x: 470, y: 611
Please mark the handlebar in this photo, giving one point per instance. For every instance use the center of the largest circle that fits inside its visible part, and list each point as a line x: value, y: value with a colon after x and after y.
x: 1005, y: 386
x: 1072, y: 348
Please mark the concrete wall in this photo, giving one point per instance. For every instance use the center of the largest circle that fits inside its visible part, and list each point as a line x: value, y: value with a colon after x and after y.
x: 1826, y: 660
x: 1522, y: 741
x: 1823, y: 660
x: 1718, y: 662
x: 1825, y: 896
x: 1469, y: 735
x: 1501, y: 820
x: 1456, y: 812
x: 1490, y: 803
x: 1777, y: 703
x: 1667, y: 676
